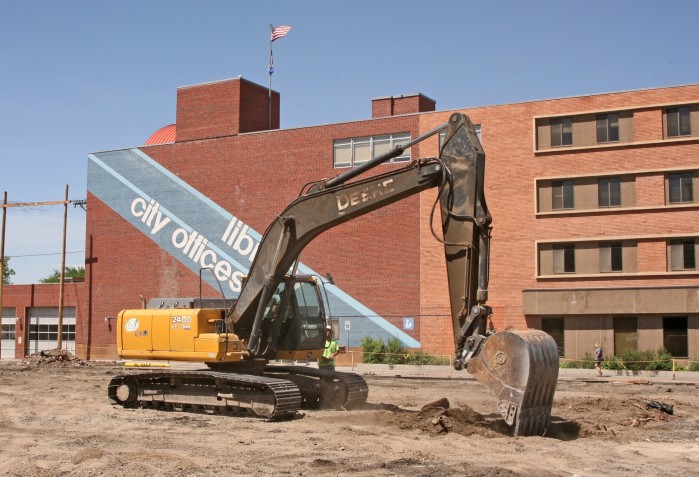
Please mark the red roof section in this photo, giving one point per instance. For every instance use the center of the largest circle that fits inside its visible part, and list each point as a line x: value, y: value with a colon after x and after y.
x: 164, y: 135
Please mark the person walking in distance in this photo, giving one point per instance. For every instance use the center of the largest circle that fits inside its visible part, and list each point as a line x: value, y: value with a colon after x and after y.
x: 598, y: 358
x: 332, y: 349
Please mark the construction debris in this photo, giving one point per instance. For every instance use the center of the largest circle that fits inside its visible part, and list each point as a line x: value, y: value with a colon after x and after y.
x: 51, y: 356
x: 442, y: 403
x: 666, y: 408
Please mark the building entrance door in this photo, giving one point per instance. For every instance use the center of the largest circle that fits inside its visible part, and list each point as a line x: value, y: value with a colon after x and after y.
x: 7, y: 330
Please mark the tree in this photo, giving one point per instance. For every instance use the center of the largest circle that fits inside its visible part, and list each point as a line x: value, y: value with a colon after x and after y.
x: 7, y: 272
x: 71, y: 272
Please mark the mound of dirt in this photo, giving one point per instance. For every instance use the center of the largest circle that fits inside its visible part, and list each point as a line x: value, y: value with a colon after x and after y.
x: 439, y: 417
x: 52, y: 357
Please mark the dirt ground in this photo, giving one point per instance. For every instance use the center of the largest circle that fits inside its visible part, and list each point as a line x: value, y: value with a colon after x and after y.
x: 55, y: 420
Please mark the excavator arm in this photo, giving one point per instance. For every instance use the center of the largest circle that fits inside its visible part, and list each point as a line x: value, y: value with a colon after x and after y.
x: 520, y: 367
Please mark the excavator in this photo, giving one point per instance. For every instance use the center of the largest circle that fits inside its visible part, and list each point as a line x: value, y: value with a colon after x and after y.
x: 281, y: 314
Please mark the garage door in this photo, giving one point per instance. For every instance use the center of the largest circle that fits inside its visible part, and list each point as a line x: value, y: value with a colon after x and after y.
x: 9, y: 322
x: 43, y: 328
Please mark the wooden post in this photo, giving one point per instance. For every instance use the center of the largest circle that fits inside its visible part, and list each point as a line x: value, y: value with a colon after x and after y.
x: 2, y: 261
x: 59, y: 343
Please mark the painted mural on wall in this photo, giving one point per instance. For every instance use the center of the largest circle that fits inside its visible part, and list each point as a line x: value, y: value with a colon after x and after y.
x: 200, y: 234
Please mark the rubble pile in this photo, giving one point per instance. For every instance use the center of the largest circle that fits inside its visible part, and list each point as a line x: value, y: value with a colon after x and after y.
x: 51, y: 356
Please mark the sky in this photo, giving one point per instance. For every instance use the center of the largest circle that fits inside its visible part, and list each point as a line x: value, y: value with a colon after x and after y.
x: 82, y: 76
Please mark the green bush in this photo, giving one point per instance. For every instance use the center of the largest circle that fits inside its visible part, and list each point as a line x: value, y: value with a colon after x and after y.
x: 636, y: 360
x: 372, y: 350
x: 588, y: 362
x: 394, y: 352
x: 420, y: 358
x: 375, y: 351
x: 694, y: 365
x: 660, y: 360
x: 613, y: 363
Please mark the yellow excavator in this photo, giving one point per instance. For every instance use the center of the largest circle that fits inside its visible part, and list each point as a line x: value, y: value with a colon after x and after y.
x: 281, y: 315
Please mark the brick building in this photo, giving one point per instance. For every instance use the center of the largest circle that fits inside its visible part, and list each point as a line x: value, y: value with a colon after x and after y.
x: 594, y: 213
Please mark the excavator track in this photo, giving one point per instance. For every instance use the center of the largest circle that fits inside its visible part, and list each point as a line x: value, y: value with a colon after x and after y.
x: 324, y: 388
x: 207, y: 391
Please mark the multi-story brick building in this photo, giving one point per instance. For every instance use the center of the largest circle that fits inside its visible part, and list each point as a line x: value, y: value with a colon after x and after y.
x: 594, y: 213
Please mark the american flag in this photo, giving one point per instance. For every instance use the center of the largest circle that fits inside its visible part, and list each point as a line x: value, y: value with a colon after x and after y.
x: 280, y: 32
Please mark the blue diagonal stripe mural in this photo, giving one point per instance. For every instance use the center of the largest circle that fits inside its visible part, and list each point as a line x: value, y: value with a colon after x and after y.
x: 201, y: 234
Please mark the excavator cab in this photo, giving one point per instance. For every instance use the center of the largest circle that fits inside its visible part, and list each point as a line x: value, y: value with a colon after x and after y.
x: 297, y: 310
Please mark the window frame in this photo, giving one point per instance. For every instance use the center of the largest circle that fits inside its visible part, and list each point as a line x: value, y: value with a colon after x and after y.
x: 622, y: 332
x: 607, y: 126
x: 688, y: 254
x: 611, y: 257
x: 354, y: 143
x: 609, y: 192
x: 563, y: 195
x: 676, y: 193
x: 678, y: 121
x: 561, y: 132
x: 555, y: 327
x: 680, y: 350
x: 563, y: 258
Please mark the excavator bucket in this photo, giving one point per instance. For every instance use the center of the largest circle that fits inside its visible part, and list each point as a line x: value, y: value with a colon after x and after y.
x: 521, y: 369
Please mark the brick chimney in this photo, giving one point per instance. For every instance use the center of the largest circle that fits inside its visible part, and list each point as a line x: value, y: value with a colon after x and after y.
x: 404, y: 104
x: 224, y: 108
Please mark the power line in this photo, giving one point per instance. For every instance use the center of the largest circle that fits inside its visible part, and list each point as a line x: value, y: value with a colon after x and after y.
x: 43, y: 254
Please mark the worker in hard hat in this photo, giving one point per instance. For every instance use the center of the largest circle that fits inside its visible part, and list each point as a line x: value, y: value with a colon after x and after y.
x: 332, y: 349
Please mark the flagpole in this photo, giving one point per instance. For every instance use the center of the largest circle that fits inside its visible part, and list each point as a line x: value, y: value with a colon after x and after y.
x: 271, y: 63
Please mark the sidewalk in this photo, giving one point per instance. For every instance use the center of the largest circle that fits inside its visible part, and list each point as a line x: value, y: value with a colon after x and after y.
x: 447, y: 372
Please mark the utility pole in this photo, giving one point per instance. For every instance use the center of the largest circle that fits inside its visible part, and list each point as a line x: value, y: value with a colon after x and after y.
x: 59, y: 343
x: 2, y: 261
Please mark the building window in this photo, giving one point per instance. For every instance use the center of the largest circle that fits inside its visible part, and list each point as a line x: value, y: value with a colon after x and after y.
x: 681, y: 187
x: 678, y: 123
x: 675, y: 336
x: 561, y: 132
x: 355, y: 151
x: 610, y: 257
x: 564, y: 258
x: 49, y: 332
x: 7, y: 331
x: 609, y: 192
x: 682, y: 254
x: 625, y: 334
x: 562, y: 195
x: 607, y: 127
x: 555, y: 327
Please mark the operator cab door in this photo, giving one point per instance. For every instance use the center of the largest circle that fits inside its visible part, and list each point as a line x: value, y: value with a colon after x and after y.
x: 304, y: 319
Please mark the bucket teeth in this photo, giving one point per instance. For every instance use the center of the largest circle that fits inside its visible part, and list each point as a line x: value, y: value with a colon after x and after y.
x: 521, y: 369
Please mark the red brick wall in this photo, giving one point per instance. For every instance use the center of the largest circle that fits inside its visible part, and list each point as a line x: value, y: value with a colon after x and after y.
x: 22, y: 297
x: 254, y: 108
x: 396, y: 105
x: 388, y: 260
x: 224, y: 108
x: 512, y: 168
